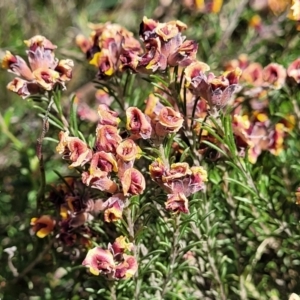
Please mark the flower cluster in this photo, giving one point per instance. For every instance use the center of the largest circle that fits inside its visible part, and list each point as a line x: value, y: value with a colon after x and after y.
x: 179, y: 181
x: 75, y: 207
x: 109, y: 166
x: 258, y: 134
x: 259, y: 78
x: 114, y: 262
x: 254, y: 129
x: 105, y: 45
x: 165, y: 46
x: 112, y: 48
x: 216, y: 90
x: 45, y: 70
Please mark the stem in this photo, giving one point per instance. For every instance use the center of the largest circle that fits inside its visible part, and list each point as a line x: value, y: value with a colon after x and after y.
x: 173, y: 256
x: 112, y: 288
x: 39, y: 153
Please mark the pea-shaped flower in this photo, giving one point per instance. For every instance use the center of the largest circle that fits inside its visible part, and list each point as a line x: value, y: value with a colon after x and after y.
x: 99, y: 261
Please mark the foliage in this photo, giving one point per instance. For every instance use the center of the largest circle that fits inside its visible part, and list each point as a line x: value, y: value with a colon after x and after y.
x: 168, y: 169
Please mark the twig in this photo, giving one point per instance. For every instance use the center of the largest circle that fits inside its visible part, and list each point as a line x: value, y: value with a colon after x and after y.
x: 39, y: 153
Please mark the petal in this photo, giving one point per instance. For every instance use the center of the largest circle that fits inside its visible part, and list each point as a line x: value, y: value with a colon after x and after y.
x: 39, y: 41
x: 46, y: 78
x: 19, y: 86
x: 177, y: 203
x: 274, y: 75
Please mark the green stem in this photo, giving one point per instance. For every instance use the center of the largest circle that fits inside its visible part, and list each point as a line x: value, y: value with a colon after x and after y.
x: 6, y: 131
x: 173, y: 256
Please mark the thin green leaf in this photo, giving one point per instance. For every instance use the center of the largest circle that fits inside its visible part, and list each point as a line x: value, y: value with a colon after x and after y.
x: 213, y: 146
x: 241, y: 184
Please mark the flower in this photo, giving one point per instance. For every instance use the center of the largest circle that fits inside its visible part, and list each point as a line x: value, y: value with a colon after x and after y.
x: 177, y: 170
x: 256, y: 23
x: 216, y: 90
x: 128, y: 150
x: 106, y: 44
x: 99, y: 180
x: 253, y: 74
x: 127, y: 268
x: 274, y: 75
x: 45, y: 70
x: 169, y: 121
x: 107, y: 116
x: 107, y: 138
x: 177, y: 203
x: 194, y: 75
x: 133, y: 182
x: 276, y: 147
x: 103, y: 161
x: 137, y: 123
x: 113, y: 262
x: 113, y: 207
x: 42, y: 226
x: 113, y: 213
x: 179, y: 181
x: 294, y: 70
x: 297, y: 194
x: 207, y: 6
x: 153, y: 106
x: 157, y: 170
x: 294, y: 12
x: 99, y: 261
x: 121, y: 245
x: 73, y: 149
x: 165, y: 46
